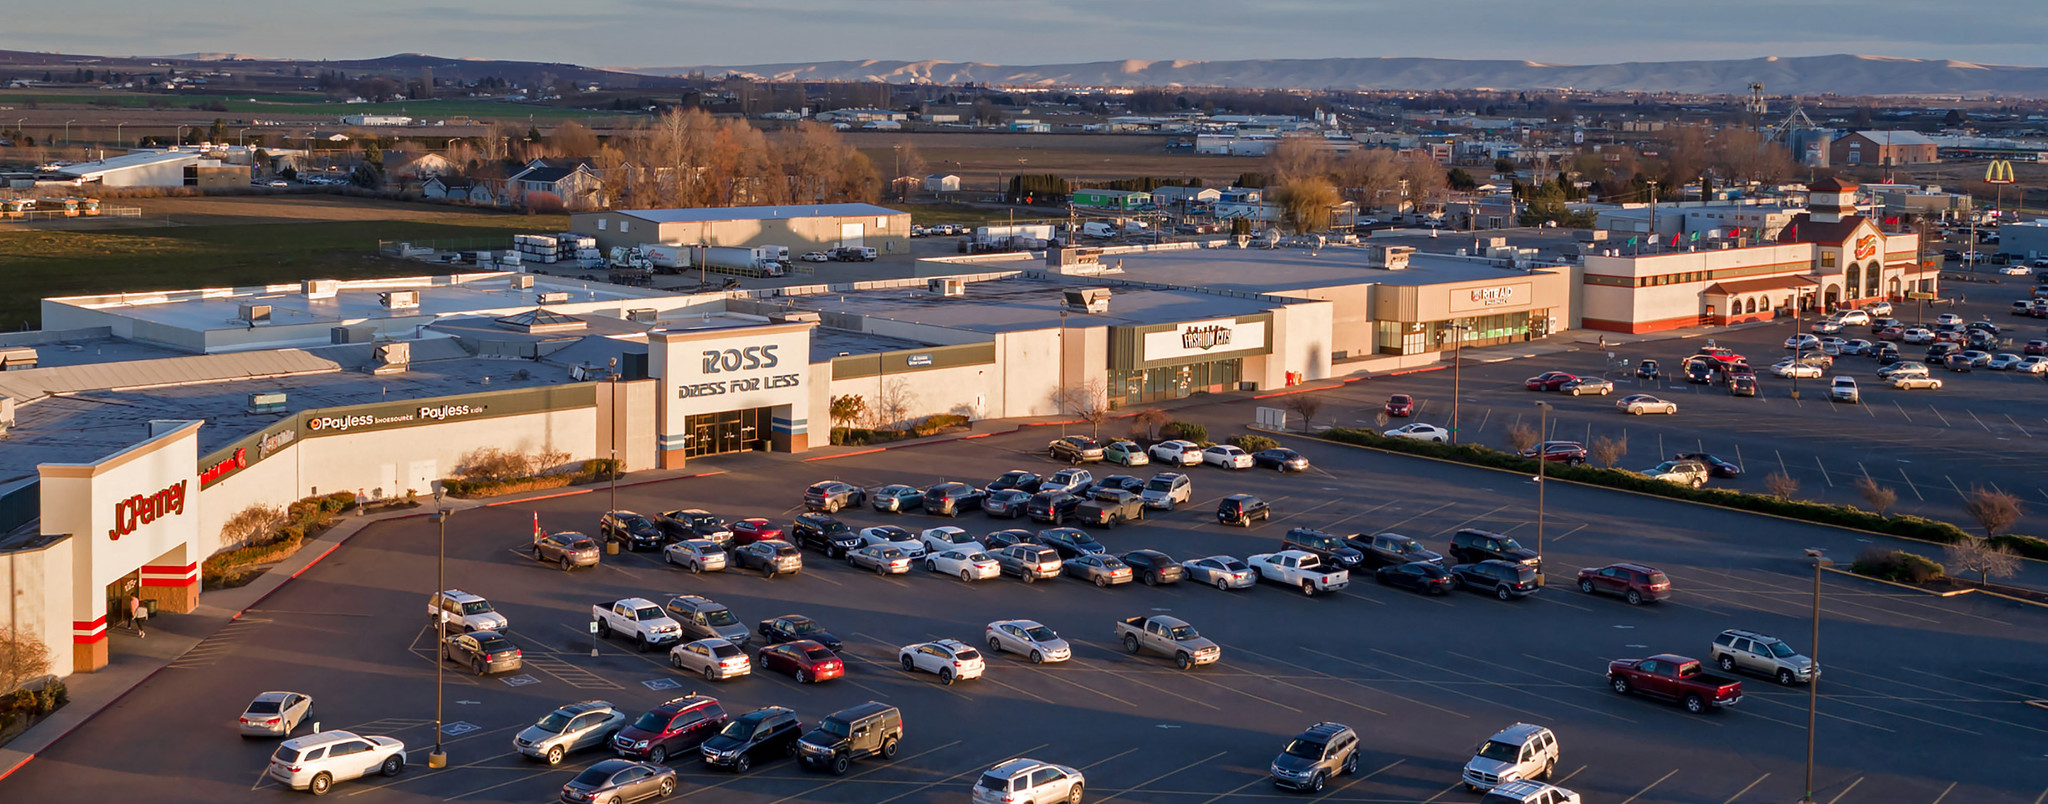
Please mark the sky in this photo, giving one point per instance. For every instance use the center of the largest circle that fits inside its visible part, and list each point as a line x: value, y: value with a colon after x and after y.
x: 664, y: 33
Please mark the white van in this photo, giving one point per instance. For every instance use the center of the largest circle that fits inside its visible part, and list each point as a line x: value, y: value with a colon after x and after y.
x: 1843, y: 389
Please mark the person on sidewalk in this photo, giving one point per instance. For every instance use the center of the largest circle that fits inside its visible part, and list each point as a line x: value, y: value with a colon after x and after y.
x: 137, y: 613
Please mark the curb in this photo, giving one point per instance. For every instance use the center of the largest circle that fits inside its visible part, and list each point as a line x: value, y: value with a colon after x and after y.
x: 1583, y: 484
x: 950, y: 439
x: 2039, y: 704
x: 1951, y: 593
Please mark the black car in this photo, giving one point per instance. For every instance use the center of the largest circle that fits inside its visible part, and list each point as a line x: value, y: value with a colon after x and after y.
x: 1471, y: 545
x: 633, y: 531
x: 1326, y: 546
x: 694, y: 523
x: 1004, y: 538
x: 1647, y: 369
x: 1005, y: 503
x: 1016, y: 479
x: 793, y: 627
x: 1070, y: 542
x: 1118, y: 483
x: 1886, y: 355
x: 824, y: 533
x: 951, y: 499
x: 1417, y: 576
x: 1742, y: 386
x: 1392, y: 550
x: 1281, y: 458
x: 1715, y: 466
x: 1051, y: 506
x: 1698, y: 371
x: 1153, y: 567
x: 1956, y: 362
x: 763, y: 734
x: 1242, y: 509
x: 1498, y: 578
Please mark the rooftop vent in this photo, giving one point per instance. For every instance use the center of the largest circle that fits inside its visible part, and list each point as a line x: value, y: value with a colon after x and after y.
x: 267, y: 402
x: 948, y: 287
x: 1392, y: 258
x: 355, y: 334
x: 522, y: 281
x: 15, y: 358
x: 321, y: 288
x: 556, y: 297
x: 254, y: 313
x: 1088, y: 300
x: 399, y: 299
x: 391, y: 357
x: 642, y: 315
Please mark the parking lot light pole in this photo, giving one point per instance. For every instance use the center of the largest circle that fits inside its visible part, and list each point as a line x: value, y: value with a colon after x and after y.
x: 1457, y: 373
x: 614, y: 439
x: 439, y: 758
x: 1820, y: 560
x: 1542, y: 457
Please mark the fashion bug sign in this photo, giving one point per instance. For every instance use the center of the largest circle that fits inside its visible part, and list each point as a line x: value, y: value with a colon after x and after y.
x: 1205, y: 338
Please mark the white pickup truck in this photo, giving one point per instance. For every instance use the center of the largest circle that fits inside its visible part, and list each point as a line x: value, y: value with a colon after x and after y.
x: 1299, y: 569
x: 639, y: 618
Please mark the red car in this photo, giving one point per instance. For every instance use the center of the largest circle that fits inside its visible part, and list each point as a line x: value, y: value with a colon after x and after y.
x: 1400, y: 405
x: 672, y: 729
x: 2037, y: 348
x: 808, y: 661
x: 1548, y: 381
x: 1892, y: 333
x: 754, y: 529
x: 1567, y: 452
x: 1721, y: 353
x: 1637, y: 583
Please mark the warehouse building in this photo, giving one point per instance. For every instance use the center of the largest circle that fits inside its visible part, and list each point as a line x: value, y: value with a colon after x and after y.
x: 808, y: 227
x: 170, y: 168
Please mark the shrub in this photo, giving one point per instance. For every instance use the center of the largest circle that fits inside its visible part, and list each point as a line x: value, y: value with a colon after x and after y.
x: 2028, y: 546
x: 938, y: 423
x: 1253, y: 443
x: 492, y: 463
x: 1897, y: 566
x: 1185, y: 431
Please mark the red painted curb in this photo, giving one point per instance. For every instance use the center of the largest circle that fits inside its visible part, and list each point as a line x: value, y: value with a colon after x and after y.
x: 24, y: 761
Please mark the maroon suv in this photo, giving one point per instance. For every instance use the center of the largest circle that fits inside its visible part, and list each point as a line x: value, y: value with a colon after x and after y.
x: 671, y: 729
x: 1570, y: 452
x: 1635, y: 582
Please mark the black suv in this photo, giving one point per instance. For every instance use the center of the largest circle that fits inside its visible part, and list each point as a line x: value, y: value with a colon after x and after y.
x: 952, y: 498
x: 1470, y: 545
x: 1505, y: 580
x: 1312, y: 757
x: 1392, y: 550
x: 695, y: 523
x: 1051, y: 506
x: 824, y: 533
x: 1325, y: 546
x: 1018, y: 479
x: 632, y: 530
x: 1242, y: 509
x: 1697, y: 371
x: 846, y: 735
x: 765, y: 733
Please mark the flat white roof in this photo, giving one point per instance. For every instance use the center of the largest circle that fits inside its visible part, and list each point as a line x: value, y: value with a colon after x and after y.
x: 712, y: 214
x: 220, y: 308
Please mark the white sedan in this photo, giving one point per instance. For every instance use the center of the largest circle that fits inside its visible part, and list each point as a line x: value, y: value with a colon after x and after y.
x: 2032, y: 364
x: 892, y: 536
x: 816, y: 256
x: 1027, y: 638
x: 951, y: 659
x: 1788, y: 368
x: 1949, y: 318
x: 947, y: 537
x: 1798, y: 342
x: 2014, y: 270
x: 1227, y: 456
x: 1917, y: 335
x: 1640, y: 404
x: 1855, y: 318
x: 275, y: 714
x: 2003, y: 361
x: 1420, y: 432
x: 966, y: 563
x: 1177, y: 452
x: 1826, y: 327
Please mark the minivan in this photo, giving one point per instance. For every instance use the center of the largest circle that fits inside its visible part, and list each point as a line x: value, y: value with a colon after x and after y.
x: 869, y: 729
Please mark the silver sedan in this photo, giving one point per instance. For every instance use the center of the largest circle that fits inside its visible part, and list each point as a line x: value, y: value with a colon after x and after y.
x: 275, y: 714
x: 1222, y: 572
x: 713, y: 658
x: 695, y: 555
x: 1027, y: 638
x: 881, y: 558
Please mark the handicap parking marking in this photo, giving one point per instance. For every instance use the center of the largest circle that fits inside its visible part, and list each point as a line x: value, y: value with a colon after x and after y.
x: 520, y: 680
x: 661, y: 684
x: 459, y: 727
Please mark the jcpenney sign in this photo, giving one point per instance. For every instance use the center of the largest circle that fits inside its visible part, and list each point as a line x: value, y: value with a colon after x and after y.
x: 139, y: 510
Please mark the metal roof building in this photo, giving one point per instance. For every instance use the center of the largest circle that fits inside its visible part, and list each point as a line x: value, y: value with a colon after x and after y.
x: 803, y: 227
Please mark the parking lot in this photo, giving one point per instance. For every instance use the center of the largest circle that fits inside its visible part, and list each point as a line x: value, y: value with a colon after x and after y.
x: 1922, y: 701
x: 1983, y: 428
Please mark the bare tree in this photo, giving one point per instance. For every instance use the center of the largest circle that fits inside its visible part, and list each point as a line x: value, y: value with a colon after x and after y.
x: 892, y: 404
x: 1879, y: 497
x: 251, y: 523
x: 1522, y: 437
x: 573, y: 139
x: 1086, y: 400
x: 1993, y: 510
x: 1305, y: 204
x: 1781, y: 485
x: 1982, y: 557
x: 1609, y: 451
x: 1306, y: 406
x: 23, y: 658
x: 1297, y: 158
x: 1369, y: 176
x: 1149, y: 420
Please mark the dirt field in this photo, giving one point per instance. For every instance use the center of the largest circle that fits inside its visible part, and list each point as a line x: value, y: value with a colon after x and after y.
x: 232, y: 210
x: 983, y: 161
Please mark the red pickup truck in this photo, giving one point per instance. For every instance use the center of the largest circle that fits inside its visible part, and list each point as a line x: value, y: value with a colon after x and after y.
x: 1674, y: 678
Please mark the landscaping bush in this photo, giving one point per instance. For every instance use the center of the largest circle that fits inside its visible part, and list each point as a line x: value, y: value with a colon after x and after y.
x: 1253, y: 443
x: 2028, y: 546
x: 594, y: 470
x: 1185, y: 431
x: 1897, y: 566
x: 933, y: 425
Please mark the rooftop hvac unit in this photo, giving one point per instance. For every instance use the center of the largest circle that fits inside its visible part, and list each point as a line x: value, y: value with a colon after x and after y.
x: 267, y: 402
x: 400, y: 299
x: 390, y: 357
x: 642, y: 315
x: 16, y: 358
x: 1088, y: 300
x: 556, y: 297
x: 948, y: 287
x: 1392, y: 258
x: 321, y: 288
x: 255, y: 314
x: 6, y: 414
x: 356, y: 334
x: 522, y: 281
x: 795, y: 316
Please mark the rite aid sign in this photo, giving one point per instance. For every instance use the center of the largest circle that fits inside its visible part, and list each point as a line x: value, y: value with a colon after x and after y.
x: 1490, y: 297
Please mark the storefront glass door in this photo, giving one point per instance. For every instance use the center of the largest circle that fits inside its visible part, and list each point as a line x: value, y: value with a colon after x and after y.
x: 726, y: 431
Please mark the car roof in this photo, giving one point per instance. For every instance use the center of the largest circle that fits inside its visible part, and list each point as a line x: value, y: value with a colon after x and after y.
x: 581, y: 707
x: 459, y: 596
x: 1642, y: 568
x: 863, y: 710
x: 1519, y: 733
x: 1018, y: 766
x: 1325, y: 730
x: 695, y: 600
x: 320, y: 739
x: 1748, y: 634
x: 277, y: 695
x: 1673, y: 658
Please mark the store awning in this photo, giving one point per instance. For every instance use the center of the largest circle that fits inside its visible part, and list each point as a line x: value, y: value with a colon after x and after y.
x: 1761, y: 285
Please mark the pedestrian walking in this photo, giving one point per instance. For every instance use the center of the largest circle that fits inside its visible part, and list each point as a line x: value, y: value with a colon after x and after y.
x: 137, y: 614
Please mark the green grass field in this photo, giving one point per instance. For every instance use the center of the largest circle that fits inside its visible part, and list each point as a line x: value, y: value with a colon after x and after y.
x: 304, y: 103
x: 57, y: 263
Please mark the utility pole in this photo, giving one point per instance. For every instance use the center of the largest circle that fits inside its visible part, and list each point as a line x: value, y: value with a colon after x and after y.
x: 1457, y: 374
x: 613, y: 438
x: 1063, y: 397
x: 1813, y: 684
x: 1542, y: 458
x: 439, y: 757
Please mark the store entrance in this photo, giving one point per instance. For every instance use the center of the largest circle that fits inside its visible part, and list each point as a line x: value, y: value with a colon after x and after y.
x: 726, y: 431
x: 122, y: 595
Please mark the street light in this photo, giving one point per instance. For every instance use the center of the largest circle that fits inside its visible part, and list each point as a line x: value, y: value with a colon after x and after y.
x: 67, y: 131
x: 1542, y: 457
x: 613, y: 438
x: 1820, y: 560
x: 117, y: 135
x: 1457, y: 373
x: 239, y: 143
x: 439, y: 757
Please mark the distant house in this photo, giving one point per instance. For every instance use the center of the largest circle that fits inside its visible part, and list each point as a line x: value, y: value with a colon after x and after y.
x: 1112, y: 199
x: 577, y: 184
x: 482, y: 192
x: 948, y: 183
x: 1882, y: 148
x: 417, y: 167
x: 1174, y: 196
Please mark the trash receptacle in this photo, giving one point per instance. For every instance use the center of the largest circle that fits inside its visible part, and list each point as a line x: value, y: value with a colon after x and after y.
x: 149, y: 606
x: 611, y: 548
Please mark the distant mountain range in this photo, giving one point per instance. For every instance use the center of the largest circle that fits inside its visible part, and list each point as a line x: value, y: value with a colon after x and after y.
x: 1803, y: 75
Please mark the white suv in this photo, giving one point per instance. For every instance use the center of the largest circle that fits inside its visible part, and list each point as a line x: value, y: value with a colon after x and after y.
x: 951, y: 659
x: 1843, y: 389
x: 455, y: 608
x: 316, y: 761
x: 1520, y: 751
x: 1029, y: 781
x: 1166, y: 490
x: 1530, y: 793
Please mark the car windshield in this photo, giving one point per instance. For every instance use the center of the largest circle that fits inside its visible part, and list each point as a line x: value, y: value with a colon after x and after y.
x: 717, y: 617
x: 264, y: 708
x: 1111, y: 562
x: 595, y: 776
x: 1234, y: 565
x: 990, y: 781
x: 584, y: 543
x: 1159, y: 484
x: 896, y: 535
x: 835, y: 727
x: 1404, y: 546
x: 1079, y: 537
x: 978, y: 557
x: 554, y: 723
x: 653, y: 721
x: 817, y: 654
x: 1779, y: 649
x: 648, y: 613
x: 739, y: 729
x: 1304, y: 749
x: 784, y: 551
x: 1040, y: 634
x: 725, y: 651
x: 1497, y: 750
x: 802, y: 626
x: 476, y: 607
x: 1509, y: 544
x: 1182, y: 632
x: 493, y: 645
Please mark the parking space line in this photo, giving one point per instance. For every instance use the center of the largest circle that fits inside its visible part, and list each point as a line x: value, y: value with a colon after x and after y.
x: 1149, y: 782
x: 1472, y: 520
x: 1980, y: 422
x: 1362, y: 685
x: 1126, y: 676
x: 1937, y: 414
x: 1240, y: 788
x: 1909, y: 420
x: 972, y: 770
x: 2016, y: 426
x: 1746, y: 788
x: 539, y: 771
x: 1908, y: 717
x: 1767, y: 699
x: 1440, y: 793
x: 1582, y: 526
x: 1660, y: 780
x: 1845, y: 790
x: 1392, y: 525
x: 1310, y: 510
x: 1945, y: 792
x: 1823, y: 471
x: 1524, y: 688
x: 845, y: 779
x: 2043, y: 797
x: 1442, y: 688
x: 2015, y: 695
x: 1909, y: 484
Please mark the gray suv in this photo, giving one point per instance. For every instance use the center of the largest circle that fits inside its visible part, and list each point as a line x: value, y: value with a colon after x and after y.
x: 1752, y: 652
x: 1320, y: 752
x: 704, y: 618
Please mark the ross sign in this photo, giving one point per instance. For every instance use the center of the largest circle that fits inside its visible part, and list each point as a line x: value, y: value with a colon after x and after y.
x: 1491, y: 297
x: 139, y: 510
x: 1197, y: 338
x: 239, y: 459
x: 1866, y: 247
